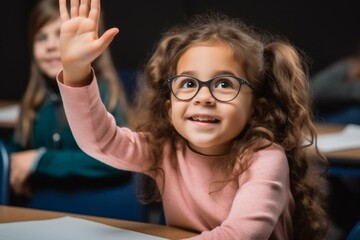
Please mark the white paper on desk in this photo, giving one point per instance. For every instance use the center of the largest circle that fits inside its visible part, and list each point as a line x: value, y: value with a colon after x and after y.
x: 9, y: 113
x: 67, y: 228
x: 348, y: 138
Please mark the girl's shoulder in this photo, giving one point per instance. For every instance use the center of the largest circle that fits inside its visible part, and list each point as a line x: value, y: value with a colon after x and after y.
x: 269, y: 145
x: 272, y: 152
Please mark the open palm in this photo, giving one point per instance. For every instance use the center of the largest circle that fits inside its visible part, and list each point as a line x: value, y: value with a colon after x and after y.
x: 79, y: 40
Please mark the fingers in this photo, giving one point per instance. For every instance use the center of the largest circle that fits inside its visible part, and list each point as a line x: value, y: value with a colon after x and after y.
x: 17, y: 182
x: 21, y: 188
x: 84, y: 8
x: 74, y: 9
x: 64, y: 14
x: 20, y: 169
x: 95, y: 10
x: 80, y: 43
x: 105, y: 40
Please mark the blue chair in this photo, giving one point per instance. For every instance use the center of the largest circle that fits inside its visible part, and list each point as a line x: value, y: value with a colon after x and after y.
x: 4, y: 177
x: 355, y: 232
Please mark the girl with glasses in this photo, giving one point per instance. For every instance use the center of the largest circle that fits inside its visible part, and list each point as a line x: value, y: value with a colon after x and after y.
x: 222, y: 122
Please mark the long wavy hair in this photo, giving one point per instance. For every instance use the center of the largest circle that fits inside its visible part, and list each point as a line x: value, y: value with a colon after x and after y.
x: 46, y: 11
x: 282, y: 112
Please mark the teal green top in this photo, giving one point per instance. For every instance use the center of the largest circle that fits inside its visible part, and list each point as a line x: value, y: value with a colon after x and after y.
x: 59, y: 155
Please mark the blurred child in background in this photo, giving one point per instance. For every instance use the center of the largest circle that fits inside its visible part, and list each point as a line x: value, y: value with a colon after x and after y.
x: 43, y: 146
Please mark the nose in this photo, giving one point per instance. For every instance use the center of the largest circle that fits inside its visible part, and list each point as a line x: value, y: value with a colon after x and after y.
x: 204, y: 96
x: 53, y: 43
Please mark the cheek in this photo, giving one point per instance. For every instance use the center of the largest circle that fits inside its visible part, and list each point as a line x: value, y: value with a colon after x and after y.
x: 37, y: 51
x: 248, y: 105
x: 246, y: 115
x: 176, y: 112
x: 38, y: 55
x: 245, y: 109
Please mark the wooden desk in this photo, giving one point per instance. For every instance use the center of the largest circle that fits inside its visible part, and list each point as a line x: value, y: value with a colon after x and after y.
x: 7, y: 123
x: 15, y: 214
x: 350, y: 157
x: 5, y: 103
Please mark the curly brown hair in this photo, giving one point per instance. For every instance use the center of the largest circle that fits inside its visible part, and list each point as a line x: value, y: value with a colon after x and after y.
x: 282, y: 113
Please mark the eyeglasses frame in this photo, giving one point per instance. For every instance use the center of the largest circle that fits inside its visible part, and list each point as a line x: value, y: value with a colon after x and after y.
x: 207, y: 83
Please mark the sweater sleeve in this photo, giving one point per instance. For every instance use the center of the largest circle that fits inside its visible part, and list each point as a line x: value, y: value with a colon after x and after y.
x: 96, y: 132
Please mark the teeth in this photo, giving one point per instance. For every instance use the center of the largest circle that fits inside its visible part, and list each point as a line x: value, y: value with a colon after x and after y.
x: 204, y: 119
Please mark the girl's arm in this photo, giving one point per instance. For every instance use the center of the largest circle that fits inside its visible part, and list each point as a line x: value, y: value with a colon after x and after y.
x: 96, y: 132
x: 79, y: 40
x: 94, y: 129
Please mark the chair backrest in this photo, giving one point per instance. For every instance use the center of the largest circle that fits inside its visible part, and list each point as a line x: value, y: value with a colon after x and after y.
x: 355, y: 232
x: 4, y: 174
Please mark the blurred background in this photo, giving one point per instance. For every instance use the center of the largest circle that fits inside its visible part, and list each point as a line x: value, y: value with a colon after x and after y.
x: 325, y: 30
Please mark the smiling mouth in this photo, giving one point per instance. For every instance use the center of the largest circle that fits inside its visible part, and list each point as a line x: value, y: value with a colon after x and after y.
x: 204, y: 119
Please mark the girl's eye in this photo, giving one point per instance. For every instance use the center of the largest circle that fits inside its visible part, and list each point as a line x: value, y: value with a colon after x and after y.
x: 224, y: 83
x: 188, y: 83
x: 40, y: 37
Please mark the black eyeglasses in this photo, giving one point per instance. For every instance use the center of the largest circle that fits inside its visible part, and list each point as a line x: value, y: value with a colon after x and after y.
x: 223, y: 88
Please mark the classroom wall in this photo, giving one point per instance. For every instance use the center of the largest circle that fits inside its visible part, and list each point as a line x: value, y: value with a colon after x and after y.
x: 324, y: 30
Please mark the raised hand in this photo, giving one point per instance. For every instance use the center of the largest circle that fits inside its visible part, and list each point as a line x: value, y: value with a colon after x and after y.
x: 79, y: 40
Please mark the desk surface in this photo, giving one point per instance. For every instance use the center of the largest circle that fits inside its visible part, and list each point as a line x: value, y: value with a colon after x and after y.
x: 349, y: 156
x: 15, y: 214
x: 5, y: 120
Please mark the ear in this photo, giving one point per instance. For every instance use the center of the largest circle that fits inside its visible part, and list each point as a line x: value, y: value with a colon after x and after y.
x: 169, y: 109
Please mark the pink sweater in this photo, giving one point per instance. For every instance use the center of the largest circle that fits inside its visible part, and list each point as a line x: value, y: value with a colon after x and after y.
x: 258, y: 205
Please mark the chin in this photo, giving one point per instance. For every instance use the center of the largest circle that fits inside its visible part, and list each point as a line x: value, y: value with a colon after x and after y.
x: 53, y: 73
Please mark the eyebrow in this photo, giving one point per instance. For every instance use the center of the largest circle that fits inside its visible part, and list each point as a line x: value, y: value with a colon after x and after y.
x: 192, y: 73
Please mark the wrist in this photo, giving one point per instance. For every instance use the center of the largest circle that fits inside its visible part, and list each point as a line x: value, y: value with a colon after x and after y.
x: 78, y: 76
